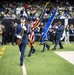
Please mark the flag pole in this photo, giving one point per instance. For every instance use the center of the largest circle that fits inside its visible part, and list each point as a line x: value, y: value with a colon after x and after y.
x: 48, y: 24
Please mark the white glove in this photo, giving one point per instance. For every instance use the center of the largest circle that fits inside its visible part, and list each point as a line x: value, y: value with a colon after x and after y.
x: 24, y: 27
x: 18, y: 36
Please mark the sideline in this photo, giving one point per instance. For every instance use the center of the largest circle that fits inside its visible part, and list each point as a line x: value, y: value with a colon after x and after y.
x: 23, y: 68
x: 67, y: 55
x: 2, y: 51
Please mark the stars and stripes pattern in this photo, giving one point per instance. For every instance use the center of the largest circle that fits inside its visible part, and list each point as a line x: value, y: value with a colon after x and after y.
x: 31, y: 38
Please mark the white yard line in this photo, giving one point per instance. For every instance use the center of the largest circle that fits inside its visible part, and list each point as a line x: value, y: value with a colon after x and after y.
x: 67, y: 55
x: 23, y: 68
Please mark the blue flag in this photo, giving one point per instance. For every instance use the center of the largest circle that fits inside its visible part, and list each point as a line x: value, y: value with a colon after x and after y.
x: 48, y: 25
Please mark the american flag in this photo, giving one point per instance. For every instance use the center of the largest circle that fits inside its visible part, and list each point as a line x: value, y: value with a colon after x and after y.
x: 31, y: 38
x: 38, y: 20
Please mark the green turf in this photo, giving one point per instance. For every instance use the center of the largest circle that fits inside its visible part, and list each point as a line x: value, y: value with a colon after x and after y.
x: 9, y: 63
x: 47, y: 63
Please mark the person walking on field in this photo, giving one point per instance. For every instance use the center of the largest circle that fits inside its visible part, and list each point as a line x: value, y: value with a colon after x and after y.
x: 24, y: 38
x: 59, y: 32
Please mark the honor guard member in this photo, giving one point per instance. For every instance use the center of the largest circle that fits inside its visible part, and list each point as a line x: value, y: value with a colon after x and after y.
x: 31, y: 40
x: 45, y: 45
x: 59, y: 32
x: 24, y: 38
x: 45, y: 39
x: 13, y: 27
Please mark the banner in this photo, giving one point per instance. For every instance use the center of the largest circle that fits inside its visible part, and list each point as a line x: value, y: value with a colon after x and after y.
x: 48, y: 25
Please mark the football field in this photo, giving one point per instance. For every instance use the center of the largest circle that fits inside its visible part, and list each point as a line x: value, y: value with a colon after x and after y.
x: 50, y: 62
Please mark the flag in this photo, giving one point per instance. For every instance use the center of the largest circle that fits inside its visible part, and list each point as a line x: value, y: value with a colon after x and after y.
x: 38, y: 20
x: 48, y: 25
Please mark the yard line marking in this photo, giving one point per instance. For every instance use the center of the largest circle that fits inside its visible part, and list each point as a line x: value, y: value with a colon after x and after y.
x: 23, y: 67
x: 4, y: 46
x: 67, y: 55
x: 3, y: 49
x: 67, y: 44
x: 1, y: 52
x: 0, y: 56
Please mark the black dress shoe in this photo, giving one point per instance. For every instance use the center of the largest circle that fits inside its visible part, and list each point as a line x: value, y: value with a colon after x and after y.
x: 29, y: 55
x: 53, y: 48
x: 42, y: 51
x: 21, y: 64
x: 33, y: 51
x: 61, y: 48
x: 48, y: 48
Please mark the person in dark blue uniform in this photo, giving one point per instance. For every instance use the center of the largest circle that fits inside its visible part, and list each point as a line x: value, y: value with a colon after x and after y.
x: 59, y: 32
x: 12, y: 29
x: 45, y: 45
x: 45, y: 39
x: 24, y: 38
x: 31, y: 40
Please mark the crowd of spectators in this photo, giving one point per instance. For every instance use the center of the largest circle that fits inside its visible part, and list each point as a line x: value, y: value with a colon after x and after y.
x: 14, y: 10
x: 32, y: 10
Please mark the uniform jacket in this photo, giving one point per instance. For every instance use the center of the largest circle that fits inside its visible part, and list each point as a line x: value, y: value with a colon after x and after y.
x: 59, y: 31
x: 25, y: 36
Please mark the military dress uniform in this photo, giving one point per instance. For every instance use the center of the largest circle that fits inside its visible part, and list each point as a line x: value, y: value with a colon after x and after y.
x: 44, y: 40
x: 24, y: 42
x: 31, y: 43
x: 59, y: 32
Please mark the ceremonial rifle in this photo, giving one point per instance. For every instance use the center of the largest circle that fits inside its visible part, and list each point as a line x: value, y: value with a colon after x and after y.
x: 21, y: 34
